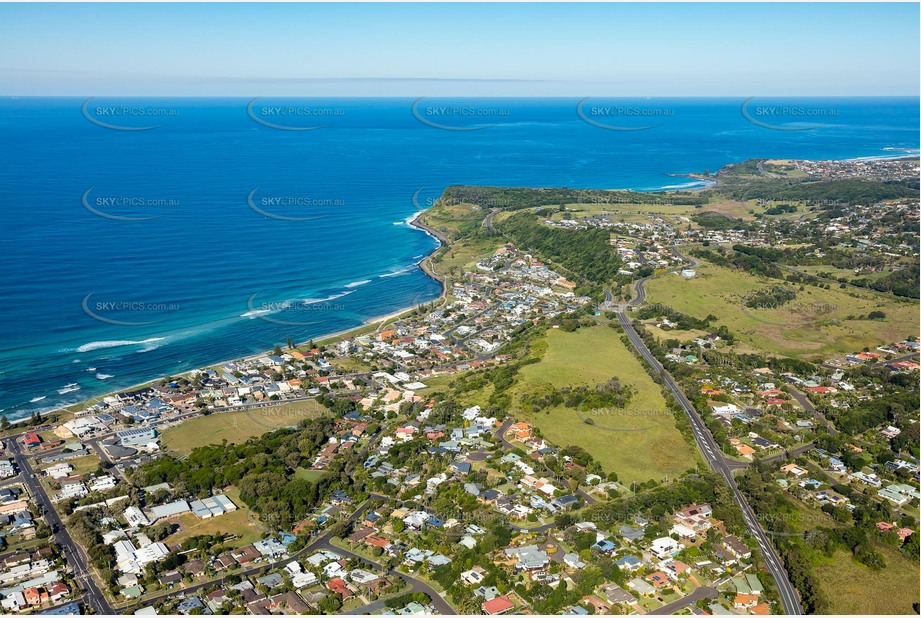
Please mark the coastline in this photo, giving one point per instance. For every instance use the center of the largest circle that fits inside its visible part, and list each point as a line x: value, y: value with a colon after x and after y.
x: 337, y: 335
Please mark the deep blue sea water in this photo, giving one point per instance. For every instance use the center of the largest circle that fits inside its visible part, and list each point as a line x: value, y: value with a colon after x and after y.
x: 130, y: 254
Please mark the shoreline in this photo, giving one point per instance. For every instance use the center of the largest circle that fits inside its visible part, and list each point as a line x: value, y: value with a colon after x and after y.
x: 337, y: 335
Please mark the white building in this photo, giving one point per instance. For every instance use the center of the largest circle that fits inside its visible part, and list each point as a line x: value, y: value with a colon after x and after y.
x: 664, y: 547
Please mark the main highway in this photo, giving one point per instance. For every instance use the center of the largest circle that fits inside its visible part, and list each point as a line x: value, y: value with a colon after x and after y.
x: 714, y: 458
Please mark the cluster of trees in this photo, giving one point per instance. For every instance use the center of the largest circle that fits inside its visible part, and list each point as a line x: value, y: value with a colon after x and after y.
x: 517, y: 198
x: 712, y: 220
x: 751, y: 263
x: 763, y: 260
x: 899, y: 409
x: 905, y: 282
x: 502, y: 377
x: 662, y: 500
x: 262, y: 468
x: 586, y: 252
x: 801, y: 548
x: 586, y: 397
x: 403, y: 600
x: 770, y: 297
x: 683, y: 321
x: 780, y: 209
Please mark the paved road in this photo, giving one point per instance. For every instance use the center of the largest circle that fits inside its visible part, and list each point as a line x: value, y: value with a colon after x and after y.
x: 807, y: 405
x: 487, y: 222
x: 72, y: 551
x: 716, y: 460
x: 416, y: 585
x: 704, y: 592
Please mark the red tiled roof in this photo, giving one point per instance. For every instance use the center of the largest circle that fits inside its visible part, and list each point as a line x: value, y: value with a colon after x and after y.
x: 497, y: 605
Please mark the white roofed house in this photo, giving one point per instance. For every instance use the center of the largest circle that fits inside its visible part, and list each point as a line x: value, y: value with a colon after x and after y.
x: 135, y: 517
x: 72, y: 489
x: 664, y: 547
x: 683, y: 531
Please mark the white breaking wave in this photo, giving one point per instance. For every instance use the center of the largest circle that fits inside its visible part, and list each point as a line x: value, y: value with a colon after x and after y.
x: 400, y: 271
x: 355, y: 284
x: 313, y: 301
x: 69, y: 388
x: 115, y: 343
x: 37, y: 399
x: 256, y: 312
x: 104, y: 376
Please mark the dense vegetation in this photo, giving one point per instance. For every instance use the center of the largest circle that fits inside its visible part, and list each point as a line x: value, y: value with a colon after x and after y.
x: 517, y: 198
x: 749, y: 262
x: 717, y: 221
x: 770, y: 297
x: 611, y: 394
x: 854, y: 531
x: 780, y: 209
x: 588, y: 253
x: 262, y: 468
x: 902, y: 281
x: 681, y: 320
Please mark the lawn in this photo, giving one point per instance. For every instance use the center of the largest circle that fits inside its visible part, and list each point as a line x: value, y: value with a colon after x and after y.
x: 681, y: 335
x: 639, y: 442
x: 238, y: 522
x: 83, y: 465
x: 730, y: 208
x: 239, y: 426
x: 814, y: 325
x: 853, y: 588
x: 823, y: 270
x: 311, y: 476
x: 464, y: 254
x: 449, y: 219
x: 350, y: 364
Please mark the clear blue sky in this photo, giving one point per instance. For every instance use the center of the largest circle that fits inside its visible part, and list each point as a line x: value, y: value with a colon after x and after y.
x: 460, y: 49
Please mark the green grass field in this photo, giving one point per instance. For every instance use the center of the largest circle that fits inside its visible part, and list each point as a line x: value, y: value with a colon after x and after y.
x: 84, y: 465
x: 853, y: 588
x: 237, y: 427
x: 640, y: 442
x: 449, y: 219
x: 309, y: 475
x: 681, y: 335
x: 812, y: 326
x: 835, y: 273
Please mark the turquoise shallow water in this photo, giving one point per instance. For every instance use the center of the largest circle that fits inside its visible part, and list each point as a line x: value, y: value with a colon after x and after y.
x: 130, y: 254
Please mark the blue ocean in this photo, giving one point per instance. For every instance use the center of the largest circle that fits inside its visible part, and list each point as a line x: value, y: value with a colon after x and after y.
x: 147, y: 237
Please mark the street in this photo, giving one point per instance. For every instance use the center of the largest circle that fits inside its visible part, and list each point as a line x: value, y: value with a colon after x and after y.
x: 73, y: 551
